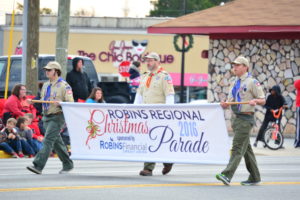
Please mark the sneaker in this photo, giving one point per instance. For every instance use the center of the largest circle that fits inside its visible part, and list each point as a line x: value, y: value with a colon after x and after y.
x: 65, y: 171
x: 34, y: 169
x: 167, y: 168
x: 14, y: 155
x: 248, y: 183
x: 145, y: 172
x: 223, y: 178
x: 21, y: 155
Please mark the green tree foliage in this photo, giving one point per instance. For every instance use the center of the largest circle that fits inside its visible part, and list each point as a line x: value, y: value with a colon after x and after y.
x: 43, y: 11
x: 46, y: 11
x: 176, y: 8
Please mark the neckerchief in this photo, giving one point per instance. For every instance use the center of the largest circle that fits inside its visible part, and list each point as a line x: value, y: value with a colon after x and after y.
x: 150, y: 77
x: 48, y: 94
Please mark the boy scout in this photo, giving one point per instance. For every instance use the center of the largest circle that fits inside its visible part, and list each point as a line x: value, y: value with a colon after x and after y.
x: 243, y: 89
x: 155, y: 87
x: 56, y: 89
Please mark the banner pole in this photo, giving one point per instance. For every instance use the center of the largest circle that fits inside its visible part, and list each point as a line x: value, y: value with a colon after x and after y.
x: 236, y: 103
x: 41, y: 101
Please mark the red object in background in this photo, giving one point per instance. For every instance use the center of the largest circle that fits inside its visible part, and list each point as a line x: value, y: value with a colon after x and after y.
x: 19, y: 49
x: 2, y: 102
x: 124, y: 68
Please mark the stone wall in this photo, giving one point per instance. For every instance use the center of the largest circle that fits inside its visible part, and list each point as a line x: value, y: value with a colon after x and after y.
x: 271, y: 62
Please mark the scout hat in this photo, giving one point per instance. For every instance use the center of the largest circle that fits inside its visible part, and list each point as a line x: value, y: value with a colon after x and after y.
x: 53, y: 65
x: 241, y: 60
x: 153, y: 55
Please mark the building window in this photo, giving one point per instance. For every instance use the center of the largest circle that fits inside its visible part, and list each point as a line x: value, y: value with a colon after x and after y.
x: 190, y: 94
x: 108, y: 78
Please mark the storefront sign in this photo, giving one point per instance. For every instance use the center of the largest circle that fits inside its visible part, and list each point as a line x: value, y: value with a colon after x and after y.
x: 124, y: 50
x: 190, y: 79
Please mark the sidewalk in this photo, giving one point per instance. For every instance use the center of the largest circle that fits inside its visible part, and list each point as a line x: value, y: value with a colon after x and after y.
x: 288, y: 150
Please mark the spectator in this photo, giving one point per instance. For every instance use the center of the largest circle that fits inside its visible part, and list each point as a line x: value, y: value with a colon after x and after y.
x: 29, y: 108
x: 297, y: 138
x: 134, y: 70
x: 12, y: 106
x: 1, y: 124
x: 37, y: 137
x: 39, y: 110
x: 274, y: 101
x: 38, y: 106
x: 13, y: 139
x: 79, y: 80
x: 25, y: 135
x: 96, y: 96
x: 5, y: 146
x: 134, y: 77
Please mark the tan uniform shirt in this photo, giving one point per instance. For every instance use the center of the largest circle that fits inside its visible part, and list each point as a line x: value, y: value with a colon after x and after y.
x: 250, y: 89
x: 60, y: 91
x: 161, y: 85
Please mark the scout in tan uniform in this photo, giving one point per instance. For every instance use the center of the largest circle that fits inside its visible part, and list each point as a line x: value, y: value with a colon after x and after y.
x: 58, y: 90
x: 156, y: 87
x: 242, y: 89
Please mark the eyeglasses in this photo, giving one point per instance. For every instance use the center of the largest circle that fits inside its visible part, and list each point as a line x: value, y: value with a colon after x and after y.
x: 48, y: 70
x: 136, y: 43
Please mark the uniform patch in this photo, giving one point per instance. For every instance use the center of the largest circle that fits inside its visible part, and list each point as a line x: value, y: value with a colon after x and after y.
x: 256, y: 83
x: 169, y: 79
x: 69, y: 91
x: 68, y: 88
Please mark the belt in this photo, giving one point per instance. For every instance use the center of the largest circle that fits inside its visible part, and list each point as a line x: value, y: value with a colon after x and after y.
x: 247, y: 113
x: 53, y: 114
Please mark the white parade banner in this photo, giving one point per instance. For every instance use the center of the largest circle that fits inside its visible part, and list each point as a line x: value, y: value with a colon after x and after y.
x: 180, y: 133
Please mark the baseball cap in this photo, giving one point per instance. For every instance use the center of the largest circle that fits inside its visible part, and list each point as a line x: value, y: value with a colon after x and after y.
x: 153, y: 55
x: 53, y: 65
x: 241, y: 60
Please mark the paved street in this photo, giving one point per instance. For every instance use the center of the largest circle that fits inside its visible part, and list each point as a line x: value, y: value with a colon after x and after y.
x: 120, y: 180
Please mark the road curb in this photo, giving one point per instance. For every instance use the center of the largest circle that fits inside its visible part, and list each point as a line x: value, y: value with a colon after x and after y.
x: 4, y: 155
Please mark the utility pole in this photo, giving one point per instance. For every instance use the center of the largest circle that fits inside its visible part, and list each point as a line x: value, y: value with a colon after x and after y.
x: 32, y: 44
x: 62, y: 34
x: 24, y: 42
x: 182, y: 69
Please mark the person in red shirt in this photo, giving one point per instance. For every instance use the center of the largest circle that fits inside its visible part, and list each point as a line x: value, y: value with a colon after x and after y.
x: 297, y: 139
x: 16, y: 105
x: 12, y: 106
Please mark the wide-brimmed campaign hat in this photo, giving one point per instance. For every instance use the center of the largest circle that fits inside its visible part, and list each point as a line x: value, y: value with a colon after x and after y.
x: 241, y: 60
x: 53, y: 65
x: 153, y: 55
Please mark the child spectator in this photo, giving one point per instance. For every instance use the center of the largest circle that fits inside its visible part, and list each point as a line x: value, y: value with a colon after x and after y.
x: 12, y: 137
x: 5, y: 146
x: 37, y: 137
x: 25, y: 134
